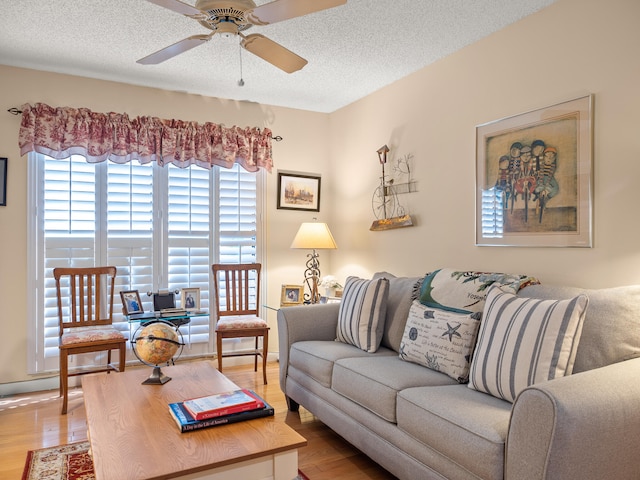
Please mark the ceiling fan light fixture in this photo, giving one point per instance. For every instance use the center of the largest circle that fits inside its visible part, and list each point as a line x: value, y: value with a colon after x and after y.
x: 226, y: 28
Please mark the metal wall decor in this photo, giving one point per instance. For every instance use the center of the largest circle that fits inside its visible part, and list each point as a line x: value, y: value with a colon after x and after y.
x: 384, y: 203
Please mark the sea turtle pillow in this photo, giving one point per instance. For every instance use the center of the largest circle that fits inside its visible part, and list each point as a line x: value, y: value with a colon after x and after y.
x: 466, y: 291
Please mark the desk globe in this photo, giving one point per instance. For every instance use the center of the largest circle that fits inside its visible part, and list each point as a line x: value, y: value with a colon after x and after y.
x: 156, y: 343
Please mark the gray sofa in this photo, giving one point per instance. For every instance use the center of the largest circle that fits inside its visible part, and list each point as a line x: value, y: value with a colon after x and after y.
x: 421, y: 424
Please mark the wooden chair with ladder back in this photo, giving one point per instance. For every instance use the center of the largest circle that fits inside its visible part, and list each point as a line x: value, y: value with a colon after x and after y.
x: 85, y: 311
x: 237, y: 302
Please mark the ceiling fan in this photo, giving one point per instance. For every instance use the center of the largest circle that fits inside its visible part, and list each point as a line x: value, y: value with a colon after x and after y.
x: 233, y: 17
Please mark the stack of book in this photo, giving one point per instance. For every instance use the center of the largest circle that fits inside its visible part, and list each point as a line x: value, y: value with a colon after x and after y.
x: 219, y: 409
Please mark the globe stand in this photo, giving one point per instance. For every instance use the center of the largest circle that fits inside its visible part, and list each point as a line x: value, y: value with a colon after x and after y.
x: 159, y: 331
x: 156, y: 377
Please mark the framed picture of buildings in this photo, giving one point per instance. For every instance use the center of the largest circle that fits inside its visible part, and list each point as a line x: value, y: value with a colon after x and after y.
x: 534, y: 178
x: 297, y: 191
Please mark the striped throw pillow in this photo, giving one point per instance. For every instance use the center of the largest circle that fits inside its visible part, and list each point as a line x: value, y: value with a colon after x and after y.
x: 362, y: 312
x: 523, y: 341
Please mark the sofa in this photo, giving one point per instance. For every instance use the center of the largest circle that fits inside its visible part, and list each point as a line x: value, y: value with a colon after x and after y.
x: 422, y: 421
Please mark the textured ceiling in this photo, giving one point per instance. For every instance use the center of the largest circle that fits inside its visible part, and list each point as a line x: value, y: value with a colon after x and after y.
x: 353, y: 50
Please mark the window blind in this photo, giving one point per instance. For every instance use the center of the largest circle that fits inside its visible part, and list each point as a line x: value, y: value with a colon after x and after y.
x: 161, y: 227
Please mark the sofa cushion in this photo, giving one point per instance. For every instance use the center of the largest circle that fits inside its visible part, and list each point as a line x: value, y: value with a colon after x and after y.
x: 440, y: 340
x: 316, y: 357
x: 362, y: 312
x: 374, y: 382
x: 402, y: 291
x: 468, y: 427
x: 465, y: 291
x: 611, y: 330
x: 523, y: 341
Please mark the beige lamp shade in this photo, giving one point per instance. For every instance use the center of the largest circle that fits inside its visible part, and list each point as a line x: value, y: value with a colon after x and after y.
x: 314, y: 235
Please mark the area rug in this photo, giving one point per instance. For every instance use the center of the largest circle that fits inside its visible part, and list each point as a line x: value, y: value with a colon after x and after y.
x: 68, y: 462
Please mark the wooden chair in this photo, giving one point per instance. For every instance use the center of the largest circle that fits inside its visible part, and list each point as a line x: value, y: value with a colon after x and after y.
x: 237, y: 310
x: 85, y: 310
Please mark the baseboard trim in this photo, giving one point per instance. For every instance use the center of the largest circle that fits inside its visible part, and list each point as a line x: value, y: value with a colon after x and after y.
x: 28, y: 386
x: 53, y: 383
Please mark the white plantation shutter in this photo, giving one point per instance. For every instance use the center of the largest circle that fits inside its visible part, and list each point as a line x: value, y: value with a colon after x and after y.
x: 238, y: 222
x: 161, y: 227
x: 190, y: 254
x: 66, y: 232
x: 238, y: 216
x: 130, y: 228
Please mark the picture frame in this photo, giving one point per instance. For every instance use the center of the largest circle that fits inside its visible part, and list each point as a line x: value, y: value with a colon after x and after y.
x: 291, y: 295
x: 131, y: 303
x: 3, y: 181
x: 298, y: 191
x: 190, y: 299
x: 534, y: 178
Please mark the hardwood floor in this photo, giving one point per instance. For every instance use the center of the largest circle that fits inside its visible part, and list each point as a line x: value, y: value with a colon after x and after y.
x: 32, y: 421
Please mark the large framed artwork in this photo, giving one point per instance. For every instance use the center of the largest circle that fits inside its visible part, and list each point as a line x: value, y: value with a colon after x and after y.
x: 534, y: 178
x: 298, y: 191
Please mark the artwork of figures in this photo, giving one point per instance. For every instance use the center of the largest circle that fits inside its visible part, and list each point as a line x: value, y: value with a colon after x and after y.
x: 534, y: 178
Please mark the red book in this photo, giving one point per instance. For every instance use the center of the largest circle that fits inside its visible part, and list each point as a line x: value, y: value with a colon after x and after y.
x: 220, y: 404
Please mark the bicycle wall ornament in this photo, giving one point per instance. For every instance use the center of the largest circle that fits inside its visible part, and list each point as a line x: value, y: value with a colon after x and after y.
x: 385, y: 204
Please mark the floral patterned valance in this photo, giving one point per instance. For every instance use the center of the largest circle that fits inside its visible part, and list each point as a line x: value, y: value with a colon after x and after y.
x: 64, y: 131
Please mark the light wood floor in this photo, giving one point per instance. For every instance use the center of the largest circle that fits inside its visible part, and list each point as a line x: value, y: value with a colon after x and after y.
x: 32, y: 421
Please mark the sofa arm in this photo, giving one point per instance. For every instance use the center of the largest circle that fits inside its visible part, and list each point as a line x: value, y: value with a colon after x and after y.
x: 584, y: 426
x: 307, y: 322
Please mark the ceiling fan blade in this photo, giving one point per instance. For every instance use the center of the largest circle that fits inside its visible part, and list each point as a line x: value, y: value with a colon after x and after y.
x: 175, y: 49
x: 280, y: 10
x: 273, y: 52
x: 178, y: 7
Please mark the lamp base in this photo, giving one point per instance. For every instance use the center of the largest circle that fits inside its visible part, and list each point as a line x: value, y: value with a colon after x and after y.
x: 311, y: 278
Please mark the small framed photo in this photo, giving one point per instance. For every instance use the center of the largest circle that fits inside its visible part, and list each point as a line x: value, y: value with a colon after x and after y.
x: 190, y: 299
x: 298, y: 191
x: 131, y: 302
x: 291, y: 295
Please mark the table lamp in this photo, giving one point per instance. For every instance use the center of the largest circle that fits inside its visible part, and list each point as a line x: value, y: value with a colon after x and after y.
x: 313, y: 235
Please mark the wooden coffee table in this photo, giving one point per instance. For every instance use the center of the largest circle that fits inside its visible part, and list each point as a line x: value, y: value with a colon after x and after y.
x: 133, y: 435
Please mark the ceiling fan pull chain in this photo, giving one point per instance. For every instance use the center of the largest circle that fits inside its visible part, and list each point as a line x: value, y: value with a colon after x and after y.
x: 241, y: 81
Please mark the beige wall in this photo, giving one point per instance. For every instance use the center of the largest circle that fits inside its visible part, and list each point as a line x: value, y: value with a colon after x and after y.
x: 300, y: 151
x: 568, y: 50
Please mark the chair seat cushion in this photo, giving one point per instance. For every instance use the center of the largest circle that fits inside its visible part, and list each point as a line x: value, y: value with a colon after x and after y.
x: 90, y: 334
x: 234, y: 322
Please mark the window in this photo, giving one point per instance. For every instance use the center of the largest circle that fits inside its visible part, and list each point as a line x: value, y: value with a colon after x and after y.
x: 492, y: 213
x: 162, y: 227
